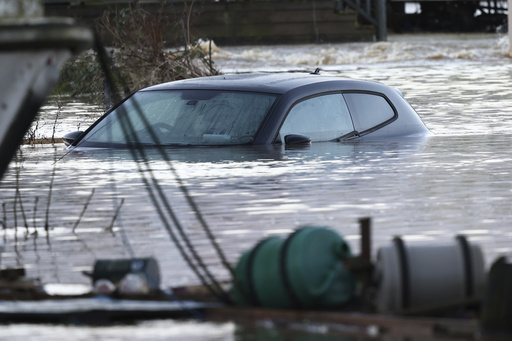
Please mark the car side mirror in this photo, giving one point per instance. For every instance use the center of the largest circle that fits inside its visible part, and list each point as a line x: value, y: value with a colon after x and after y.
x: 296, y: 139
x: 69, y: 138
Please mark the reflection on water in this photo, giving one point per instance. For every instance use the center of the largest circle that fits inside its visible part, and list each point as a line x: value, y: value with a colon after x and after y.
x: 150, y: 330
x: 457, y: 181
x: 184, y: 330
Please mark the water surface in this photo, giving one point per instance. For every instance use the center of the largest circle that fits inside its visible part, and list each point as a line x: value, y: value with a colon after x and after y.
x: 456, y: 182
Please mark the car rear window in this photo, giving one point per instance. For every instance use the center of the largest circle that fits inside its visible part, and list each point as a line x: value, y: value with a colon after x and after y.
x: 321, y: 118
x: 368, y: 110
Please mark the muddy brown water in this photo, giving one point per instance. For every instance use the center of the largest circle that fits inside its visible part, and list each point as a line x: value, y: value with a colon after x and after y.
x: 457, y: 181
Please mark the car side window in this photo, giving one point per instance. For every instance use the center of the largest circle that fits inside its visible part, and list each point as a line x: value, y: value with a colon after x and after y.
x: 321, y: 118
x: 368, y: 110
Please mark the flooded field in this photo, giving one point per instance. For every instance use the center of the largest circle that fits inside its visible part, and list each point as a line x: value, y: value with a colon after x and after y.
x: 59, y: 209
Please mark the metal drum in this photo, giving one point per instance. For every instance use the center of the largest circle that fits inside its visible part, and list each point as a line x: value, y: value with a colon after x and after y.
x: 426, y: 276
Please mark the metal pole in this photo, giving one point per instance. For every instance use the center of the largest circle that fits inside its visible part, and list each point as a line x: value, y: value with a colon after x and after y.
x: 509, y: 11
x: 381, y: 29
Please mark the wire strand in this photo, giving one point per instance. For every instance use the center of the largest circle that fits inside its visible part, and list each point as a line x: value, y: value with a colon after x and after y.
x: 152, y: 185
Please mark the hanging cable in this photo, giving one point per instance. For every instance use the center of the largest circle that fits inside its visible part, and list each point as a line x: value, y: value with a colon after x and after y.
x: 136, y: 150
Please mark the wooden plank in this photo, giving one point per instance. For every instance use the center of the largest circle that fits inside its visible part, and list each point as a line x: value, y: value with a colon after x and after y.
x: 359, y: 323
x: 264, y: 14
x: 97, y: 310
x: 45, y: 140
x: 276, y: 30
x: 308, y: 15
x: 247, y: 22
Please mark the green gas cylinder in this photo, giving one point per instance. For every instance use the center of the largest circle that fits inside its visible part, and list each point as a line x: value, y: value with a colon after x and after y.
x: 304, y: 270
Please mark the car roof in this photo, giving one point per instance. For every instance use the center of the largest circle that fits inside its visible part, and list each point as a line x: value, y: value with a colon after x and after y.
x: 279, y: 83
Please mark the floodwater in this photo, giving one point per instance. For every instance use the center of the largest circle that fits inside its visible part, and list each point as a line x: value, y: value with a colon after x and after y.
x: 60, y: 210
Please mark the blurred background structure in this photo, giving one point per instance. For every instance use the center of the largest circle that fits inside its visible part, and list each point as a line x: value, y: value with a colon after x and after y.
x: 253, y: 22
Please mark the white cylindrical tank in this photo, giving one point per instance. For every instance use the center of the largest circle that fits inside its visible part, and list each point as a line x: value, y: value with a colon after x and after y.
x: 413, y: 276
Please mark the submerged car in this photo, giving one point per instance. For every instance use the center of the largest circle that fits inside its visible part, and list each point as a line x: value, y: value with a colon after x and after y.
x: 257, y: 109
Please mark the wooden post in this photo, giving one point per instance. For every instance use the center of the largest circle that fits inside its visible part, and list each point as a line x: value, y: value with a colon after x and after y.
x: 1, y: 246
x: 361, y: 266
x: 366, y: 240
x: 381, y: 31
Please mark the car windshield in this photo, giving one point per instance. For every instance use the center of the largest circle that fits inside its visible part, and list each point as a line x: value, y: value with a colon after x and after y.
x: 182, y: 117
